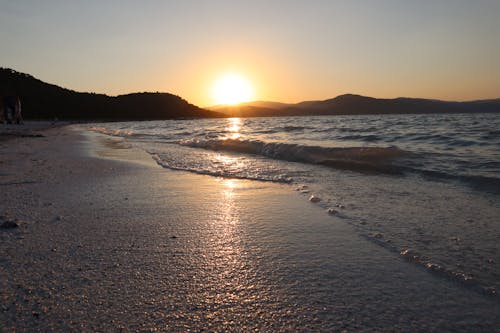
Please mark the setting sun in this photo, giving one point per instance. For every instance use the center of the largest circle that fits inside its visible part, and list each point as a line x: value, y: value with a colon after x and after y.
x: 232, y: 89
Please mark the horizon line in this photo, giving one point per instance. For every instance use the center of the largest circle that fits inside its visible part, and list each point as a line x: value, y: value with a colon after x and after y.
x: 257, y: 100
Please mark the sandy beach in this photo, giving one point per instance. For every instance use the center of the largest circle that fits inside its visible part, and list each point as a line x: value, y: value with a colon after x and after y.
x: 109, y: 241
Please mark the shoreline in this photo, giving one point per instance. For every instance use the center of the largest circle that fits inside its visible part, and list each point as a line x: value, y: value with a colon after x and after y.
x: 110, y: 241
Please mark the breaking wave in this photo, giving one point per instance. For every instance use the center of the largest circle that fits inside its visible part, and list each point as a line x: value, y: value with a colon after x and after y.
x: 364, y: 159
x: 113, y: 132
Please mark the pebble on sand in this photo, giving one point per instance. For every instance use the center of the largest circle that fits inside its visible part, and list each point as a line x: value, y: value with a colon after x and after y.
x: 314, y: 198
x: 332, y: 211
x: 410, y: 255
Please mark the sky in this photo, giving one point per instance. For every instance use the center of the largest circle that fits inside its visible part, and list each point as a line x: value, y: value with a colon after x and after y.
x: 290, y: 50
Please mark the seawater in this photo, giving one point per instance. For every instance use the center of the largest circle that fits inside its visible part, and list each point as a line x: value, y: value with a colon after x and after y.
x: 426, y: 187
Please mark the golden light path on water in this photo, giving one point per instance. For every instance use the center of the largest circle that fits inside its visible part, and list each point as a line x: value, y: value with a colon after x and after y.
x: 227, y: 261
x: 234, y: 127
x: 232, y: 277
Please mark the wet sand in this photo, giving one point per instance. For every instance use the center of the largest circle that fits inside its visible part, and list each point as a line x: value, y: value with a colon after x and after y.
x: 109, y: 241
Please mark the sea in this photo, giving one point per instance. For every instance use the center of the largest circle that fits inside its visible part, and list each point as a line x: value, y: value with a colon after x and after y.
x: 425, y: 187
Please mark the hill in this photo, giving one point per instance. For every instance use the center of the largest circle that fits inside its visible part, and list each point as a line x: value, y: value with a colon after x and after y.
x: 42, y: 100
x: 46, y: 101
x: 356, y: 104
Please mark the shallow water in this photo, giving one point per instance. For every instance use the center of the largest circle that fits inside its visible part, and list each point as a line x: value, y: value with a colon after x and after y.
x: 423, y: 186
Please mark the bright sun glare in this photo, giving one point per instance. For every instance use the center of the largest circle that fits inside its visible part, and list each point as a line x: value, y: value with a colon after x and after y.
x: 232, y: 89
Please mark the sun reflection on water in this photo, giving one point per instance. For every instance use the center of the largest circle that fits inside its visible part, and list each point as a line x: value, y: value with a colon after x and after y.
x: 230, y: 165
x: 230, y: 184
x: 234, y: 127
x: 221, y: 280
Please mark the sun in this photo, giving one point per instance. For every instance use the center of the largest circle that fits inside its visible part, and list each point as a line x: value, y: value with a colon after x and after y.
x: 232, y: 89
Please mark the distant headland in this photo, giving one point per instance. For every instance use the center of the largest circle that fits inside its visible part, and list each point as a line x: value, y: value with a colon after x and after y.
x: 47, y: 101
x: 350, y: 104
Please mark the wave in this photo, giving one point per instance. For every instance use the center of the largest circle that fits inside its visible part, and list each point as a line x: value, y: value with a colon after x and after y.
x: 293, y: 128
x: 136, y: 135
x: 112, y: 132
x: 491, y: 135
x: 220, y: 172
x: 281, y: 129
x: 364, y: 159
x: 483, y: 183
x: 366, y: 138
x: 348, y: 130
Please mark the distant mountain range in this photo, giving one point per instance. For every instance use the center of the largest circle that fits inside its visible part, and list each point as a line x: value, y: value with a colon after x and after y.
x: 42, y: 100
x: 356, y: 104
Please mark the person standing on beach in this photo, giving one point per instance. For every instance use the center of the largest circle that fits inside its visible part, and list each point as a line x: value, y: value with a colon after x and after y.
x: 9, y: 105
x: 18, y: 118
x: 2, y: 110
x: 12, y: 109
x: 8, y: 112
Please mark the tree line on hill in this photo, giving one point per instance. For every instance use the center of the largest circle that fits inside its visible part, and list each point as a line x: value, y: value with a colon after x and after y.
x: 41, y: 100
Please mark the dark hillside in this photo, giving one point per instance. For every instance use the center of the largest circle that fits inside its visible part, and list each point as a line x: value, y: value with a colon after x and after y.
x: 41, y: 100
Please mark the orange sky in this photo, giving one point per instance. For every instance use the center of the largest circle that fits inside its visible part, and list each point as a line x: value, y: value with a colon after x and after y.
x: 290, y: 51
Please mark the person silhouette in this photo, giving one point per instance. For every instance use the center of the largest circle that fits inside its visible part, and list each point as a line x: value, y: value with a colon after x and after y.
x: 18, y: 118
x: 2, y: 110
x: 9, y: 105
